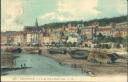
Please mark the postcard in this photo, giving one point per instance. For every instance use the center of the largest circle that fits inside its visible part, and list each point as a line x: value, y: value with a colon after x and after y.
x: 64, y: 40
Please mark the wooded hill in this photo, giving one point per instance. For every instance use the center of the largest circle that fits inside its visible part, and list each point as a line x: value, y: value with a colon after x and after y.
x: 102, y: 22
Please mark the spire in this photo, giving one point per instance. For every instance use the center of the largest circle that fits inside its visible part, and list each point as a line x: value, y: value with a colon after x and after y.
x: 36, y: 23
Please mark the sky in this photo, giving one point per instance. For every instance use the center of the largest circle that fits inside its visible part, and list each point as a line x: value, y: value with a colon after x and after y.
x: 15, y: 14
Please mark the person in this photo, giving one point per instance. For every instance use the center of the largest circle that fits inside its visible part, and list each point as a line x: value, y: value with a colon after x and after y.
x: 82, y: 70
x: 39, y: 52
x: 75, y: 66
x: 24, y: 65
x: 21, y: 65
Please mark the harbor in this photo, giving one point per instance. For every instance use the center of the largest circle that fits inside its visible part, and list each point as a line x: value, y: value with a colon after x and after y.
x: 28, y: 63
x: 34, y: 64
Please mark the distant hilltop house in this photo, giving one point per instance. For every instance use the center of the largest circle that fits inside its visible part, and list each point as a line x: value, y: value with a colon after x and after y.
x: 121, y: 30
x: 71, y: 28
x: 90, y: 31
x: 113, y: 30
x: 116, y: 30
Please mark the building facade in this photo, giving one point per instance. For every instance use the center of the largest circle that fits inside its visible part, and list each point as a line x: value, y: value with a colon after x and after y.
x: 20, y: 38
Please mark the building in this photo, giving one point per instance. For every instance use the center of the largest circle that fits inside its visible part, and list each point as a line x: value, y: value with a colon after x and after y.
x: 32, y: 33
x: 73, y: 38
x: 3, y: 38
x: 44, y: 38
x: 20, y: 38
x: 89, y: 31
x: 105, y: 31
x: 48, y: 38
x: 55, y: 37
x: 32, y: 38
x: 71, y: 29
x: 10, y: 37
x: 121, y: 30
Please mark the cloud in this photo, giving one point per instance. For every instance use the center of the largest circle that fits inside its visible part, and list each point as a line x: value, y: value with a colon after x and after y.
x: 78, y: 8
x: 112, y: 8
x: 121, y: 6
x: 67, y: 10
x: 12, y: 11
x: 54, y: 17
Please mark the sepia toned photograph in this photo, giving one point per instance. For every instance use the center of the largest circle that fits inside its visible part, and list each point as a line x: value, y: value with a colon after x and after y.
x: 64, y: 40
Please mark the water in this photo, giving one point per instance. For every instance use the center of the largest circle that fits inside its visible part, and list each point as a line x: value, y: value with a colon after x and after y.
x: 41, y: 65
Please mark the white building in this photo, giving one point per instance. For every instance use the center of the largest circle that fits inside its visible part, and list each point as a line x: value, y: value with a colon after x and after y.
x: 32, y: 38
x: 72, y: 39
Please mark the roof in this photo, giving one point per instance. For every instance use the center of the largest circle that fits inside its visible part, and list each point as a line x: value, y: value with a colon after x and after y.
x: 7, y: 33
x: 105, y: 29
x: 20, y: 32
x: 32, y: 28
x: 122, y: 23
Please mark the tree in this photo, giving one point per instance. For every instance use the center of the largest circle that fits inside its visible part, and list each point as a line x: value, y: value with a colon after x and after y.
x: 126, y: 42
x: 126, y: 39
x: 99, y: 38
x: 69, y: 44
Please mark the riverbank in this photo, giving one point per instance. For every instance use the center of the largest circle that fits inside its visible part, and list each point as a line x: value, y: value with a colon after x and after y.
x: 84, y: 65
x: 38, y: 65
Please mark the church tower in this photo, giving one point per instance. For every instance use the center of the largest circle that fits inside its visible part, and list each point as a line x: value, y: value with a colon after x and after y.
x: 36, y: 23
x: 37, y: 31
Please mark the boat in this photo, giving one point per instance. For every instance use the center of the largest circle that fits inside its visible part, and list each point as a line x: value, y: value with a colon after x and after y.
x: 33, y: 50
x: 113, y: 57
x: 13, y: 50
x: 57, y: 51
x: 79, y: 54
x: 102, y: 57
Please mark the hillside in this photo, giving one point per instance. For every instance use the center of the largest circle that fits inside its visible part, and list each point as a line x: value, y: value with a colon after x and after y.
x: 102, y: 22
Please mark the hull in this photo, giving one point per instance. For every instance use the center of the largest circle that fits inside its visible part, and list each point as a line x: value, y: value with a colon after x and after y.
x: 79, y: 54
x: 57, y: 51
x: 14, y: 50
x: 33, y: 50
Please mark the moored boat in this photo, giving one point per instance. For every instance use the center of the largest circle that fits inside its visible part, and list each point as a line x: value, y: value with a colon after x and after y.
x: 102, y: 57
x: 79, y: 54
x: 33, y: 50
x: 57, y: 51
x: 13, y: 50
